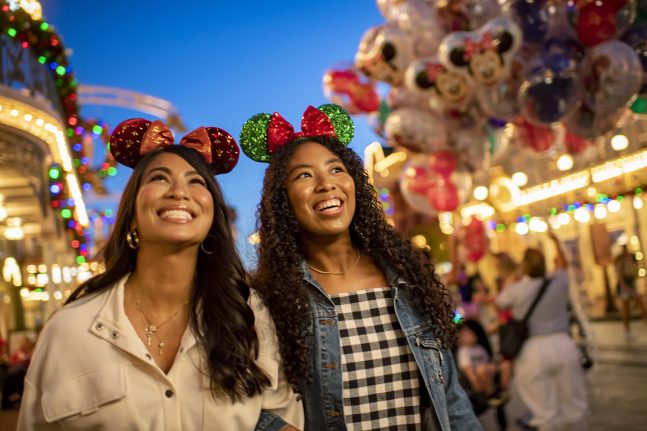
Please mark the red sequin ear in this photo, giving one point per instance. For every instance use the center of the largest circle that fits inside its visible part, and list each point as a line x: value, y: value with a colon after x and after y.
x: 224, y: 150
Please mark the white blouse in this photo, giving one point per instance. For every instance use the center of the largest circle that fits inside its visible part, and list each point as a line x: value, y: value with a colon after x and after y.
x: 90, y: 370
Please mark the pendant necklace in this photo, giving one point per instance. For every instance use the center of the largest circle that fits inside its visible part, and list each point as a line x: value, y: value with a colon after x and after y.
x: 152, y: 330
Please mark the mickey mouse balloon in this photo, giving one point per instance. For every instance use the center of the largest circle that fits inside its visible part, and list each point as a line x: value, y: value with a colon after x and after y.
x: 482, y: 55
x: 384, y: 53
x: 430, y: 77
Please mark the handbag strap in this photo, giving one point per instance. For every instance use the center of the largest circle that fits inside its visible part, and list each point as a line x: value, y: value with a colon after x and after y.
x: 542, y: 289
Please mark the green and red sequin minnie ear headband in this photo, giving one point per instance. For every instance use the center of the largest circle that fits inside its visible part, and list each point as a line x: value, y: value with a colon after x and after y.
x: 264, y: 134
x: 134, y: 138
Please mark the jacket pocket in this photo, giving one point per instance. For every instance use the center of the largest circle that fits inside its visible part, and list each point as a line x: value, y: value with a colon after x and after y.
x: 84, y: 394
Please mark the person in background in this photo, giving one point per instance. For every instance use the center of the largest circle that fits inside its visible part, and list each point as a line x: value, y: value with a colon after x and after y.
x: 626, y: 268
x: 548, y: 373
x: 170, y: 336
x: 364, y: 323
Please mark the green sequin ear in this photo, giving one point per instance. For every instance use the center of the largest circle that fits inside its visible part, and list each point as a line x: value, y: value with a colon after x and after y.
x: 253, y: 138
x: 341, y: 121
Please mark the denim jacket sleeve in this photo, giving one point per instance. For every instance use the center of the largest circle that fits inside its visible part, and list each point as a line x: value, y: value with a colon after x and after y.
x: 459, y: 408
x: 269, y: 421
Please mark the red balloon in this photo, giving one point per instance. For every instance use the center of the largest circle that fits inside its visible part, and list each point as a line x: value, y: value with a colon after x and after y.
x: 538, y: 138
x: 359, y: 96
x: 422, y: 182
x: 443, y: 195
x: 443, y: 162
x: 575, y: 144
x: 597, y: 21
x: 475, y: 240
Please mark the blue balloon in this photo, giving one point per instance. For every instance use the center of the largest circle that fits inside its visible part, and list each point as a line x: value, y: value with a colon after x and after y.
x: 636, y: 37
x: 532, y: 17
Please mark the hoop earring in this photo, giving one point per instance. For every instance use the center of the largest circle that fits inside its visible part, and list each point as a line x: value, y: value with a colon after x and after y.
x: 204, y: 250
x: 132, y: 239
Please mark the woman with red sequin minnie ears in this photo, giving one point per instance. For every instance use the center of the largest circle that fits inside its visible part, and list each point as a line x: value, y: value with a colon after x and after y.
x: 170, y: 336
x: 364, y: 324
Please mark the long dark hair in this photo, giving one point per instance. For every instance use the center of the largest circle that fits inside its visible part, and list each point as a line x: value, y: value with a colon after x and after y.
x: 219, y: 312
x: 279, y: 279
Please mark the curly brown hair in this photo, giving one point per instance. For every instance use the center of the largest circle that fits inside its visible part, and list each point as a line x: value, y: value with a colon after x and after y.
x: 279, y: 278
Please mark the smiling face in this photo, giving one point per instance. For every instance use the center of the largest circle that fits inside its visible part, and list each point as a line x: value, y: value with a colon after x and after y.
x: 173, y: 204
x: 320, y: 191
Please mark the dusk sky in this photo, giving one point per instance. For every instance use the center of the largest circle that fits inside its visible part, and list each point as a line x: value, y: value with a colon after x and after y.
x: 218, y: 62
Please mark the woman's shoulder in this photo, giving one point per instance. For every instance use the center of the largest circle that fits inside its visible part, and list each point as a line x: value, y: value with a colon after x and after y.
x: 70, y: 317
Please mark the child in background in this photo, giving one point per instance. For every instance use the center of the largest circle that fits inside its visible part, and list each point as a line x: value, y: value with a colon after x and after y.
x: 475, y: 361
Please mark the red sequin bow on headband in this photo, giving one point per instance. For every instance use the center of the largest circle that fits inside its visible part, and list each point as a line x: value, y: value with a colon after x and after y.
x: 264, y: 134
x: 133, y: 139
x: 313, y: 123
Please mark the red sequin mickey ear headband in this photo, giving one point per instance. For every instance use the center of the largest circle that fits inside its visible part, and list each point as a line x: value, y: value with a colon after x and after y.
x: 134, y: 138
x: 264, y: 134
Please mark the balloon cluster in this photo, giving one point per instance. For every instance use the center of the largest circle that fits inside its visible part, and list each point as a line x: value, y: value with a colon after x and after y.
x: 458, y: 70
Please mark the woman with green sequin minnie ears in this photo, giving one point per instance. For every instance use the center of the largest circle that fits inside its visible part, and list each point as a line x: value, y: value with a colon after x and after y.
x: 364, y: 324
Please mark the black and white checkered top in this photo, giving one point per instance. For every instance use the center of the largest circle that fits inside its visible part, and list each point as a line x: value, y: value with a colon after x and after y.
x: 379, y: 372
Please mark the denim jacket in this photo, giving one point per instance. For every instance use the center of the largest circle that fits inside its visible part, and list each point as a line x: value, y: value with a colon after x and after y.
x: 448, y: 408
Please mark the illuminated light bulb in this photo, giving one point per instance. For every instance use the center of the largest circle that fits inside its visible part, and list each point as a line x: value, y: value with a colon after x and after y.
x: 40, y: 122
x: 447, y: 229
x: 591, y: 192
x: 521, y: 228
x: 13, y: 230
x: 600, y: 211
x: 639, y: 256
x: 419, y: 241
x: 28, y: 117
x: 537, y: 224
x: 480, y: 193
x: 642, y: 272
x: 519, y: 179
x: 619, y: 142
x: 613, y: 206
x: 564, y: 162
x: 582, y: 215
x: 14, y: 112
x: 553, y: 221
x: 638, y: 202
x: 564, y: 218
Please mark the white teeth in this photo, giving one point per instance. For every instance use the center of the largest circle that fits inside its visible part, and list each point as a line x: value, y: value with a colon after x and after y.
x: 329, y: 205
x: 176, y: 215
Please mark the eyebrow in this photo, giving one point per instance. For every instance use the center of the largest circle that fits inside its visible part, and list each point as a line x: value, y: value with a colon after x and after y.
x: 168, y: 171
x: 305, y: 165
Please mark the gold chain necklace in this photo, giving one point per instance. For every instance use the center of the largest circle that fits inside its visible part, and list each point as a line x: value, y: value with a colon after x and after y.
x: 150, y: 329
x: 335, y: 273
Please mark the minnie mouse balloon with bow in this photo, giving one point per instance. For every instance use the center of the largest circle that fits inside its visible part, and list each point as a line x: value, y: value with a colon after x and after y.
x: 384, y: 54
x: 482, y: 55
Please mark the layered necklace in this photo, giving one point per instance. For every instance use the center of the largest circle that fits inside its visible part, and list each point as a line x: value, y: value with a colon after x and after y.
x: 153, y: 330
x: 336, y: 273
